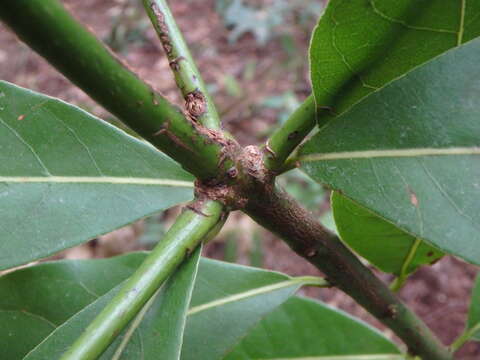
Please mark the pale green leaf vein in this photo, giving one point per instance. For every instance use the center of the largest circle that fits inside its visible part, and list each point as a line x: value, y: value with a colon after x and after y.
x: 304, y: 280
x: 26, y: 144
x: 32, y: 315
x: 405, y: 24
x: 461, y: 26
x: 343, y: 57
x: 448, y: 197
x: 367, y: 154
x: 80, y: 141
x: 95, y: 180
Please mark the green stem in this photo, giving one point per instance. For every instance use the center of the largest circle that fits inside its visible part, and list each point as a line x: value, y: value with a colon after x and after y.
x: 404, y: 273
x: 190, y: 228
x: 278, y: 212
x: 286, y: 138
x: 134, y: 325
x: 198, y: 102
x: 316, y: 281
x: 464, y: 337
x: 51, y: 31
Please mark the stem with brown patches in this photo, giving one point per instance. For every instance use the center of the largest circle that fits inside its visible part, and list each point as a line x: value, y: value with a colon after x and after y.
x: 278, y: 212
x: 198, y: 102
x: 52, y: 32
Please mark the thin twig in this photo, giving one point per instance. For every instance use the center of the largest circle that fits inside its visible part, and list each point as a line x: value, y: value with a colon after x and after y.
x: 198, y: 103
x: 285, y: 139
x: 400, y: 280
x: 464, y: 337
x: 135, y: 324
x: 185, y: 235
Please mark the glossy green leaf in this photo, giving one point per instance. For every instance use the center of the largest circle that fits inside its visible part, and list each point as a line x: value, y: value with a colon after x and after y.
x: 380, y: 242
x: 66, y: 177
x: 473, y: 322
x: 302, y: 328
x: 360, y: 45
x: 227, y: 301
x: 38, y: 299
x: 410, y: 152
x: 157, y: 333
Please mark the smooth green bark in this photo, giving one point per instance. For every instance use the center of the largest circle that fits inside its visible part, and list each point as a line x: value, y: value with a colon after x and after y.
x: 186, y: 233
x: 286, y: 138
x: 52, y: 32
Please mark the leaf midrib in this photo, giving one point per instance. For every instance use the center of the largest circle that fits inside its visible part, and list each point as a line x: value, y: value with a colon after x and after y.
x: 390, y: 153
x: 300, y: 281
x: 114, y: 180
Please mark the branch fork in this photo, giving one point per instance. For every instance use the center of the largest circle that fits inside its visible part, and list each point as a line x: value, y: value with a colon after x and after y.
x: 229, y: 177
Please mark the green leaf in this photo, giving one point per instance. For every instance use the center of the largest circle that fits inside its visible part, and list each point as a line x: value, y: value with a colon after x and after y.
x: 302, y: 328
x: 38, y: 299
x: 360, y: 45
x: 156, y: 333
x: 66, y: 177
x: 228, y: 300
x: 58, y: 341
x: 380, y: 242
x: 410, y: 152
x: 473, y: 322
x: 56, y: 301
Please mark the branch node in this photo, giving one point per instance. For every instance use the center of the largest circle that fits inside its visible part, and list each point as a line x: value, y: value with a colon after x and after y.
x: 195, y: 104
x: 196, y: 207
x: 270, y: 151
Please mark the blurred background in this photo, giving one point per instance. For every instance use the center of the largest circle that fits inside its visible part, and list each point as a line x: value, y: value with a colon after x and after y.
x: 253, y: 56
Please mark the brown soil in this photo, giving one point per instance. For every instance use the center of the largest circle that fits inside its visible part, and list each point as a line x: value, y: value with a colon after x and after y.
x: 439, y: 294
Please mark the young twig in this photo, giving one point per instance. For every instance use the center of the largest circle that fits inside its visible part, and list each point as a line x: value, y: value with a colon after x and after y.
x: 198, y: 104
x: 400, y: 280
x: 286, y: 138
x: 82, y: 58
x: 186, y: 233
x: 89, y: 64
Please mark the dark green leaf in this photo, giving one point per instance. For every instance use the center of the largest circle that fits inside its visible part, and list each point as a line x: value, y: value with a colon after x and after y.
x: 36, y: 300
x: 302, y: 329
x: 360, y: 45
x: 57, y: 342
x: 410, y: 152
x: 66, y: 177
x: 473, y: 322
x: 55, y: 302
x: 159, y: 335
x: 380, y: 242
x: 227, y: 301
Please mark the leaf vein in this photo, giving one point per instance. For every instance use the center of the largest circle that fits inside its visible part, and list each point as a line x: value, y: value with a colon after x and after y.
x: 405, y: 24
x: 390, y: 153
x: 24, y: 142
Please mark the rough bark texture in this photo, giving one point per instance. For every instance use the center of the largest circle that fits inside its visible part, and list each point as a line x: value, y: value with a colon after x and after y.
x: 278, y: 212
